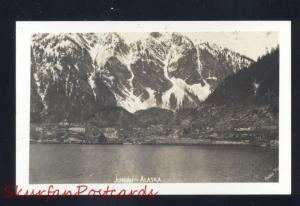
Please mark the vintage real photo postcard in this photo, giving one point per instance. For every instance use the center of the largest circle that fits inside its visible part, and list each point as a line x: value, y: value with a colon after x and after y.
x: 179, y: 107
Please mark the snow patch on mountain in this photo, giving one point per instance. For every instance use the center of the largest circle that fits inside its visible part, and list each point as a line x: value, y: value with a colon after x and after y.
x: 92, y: 83
x: 179, y: 89
x: 198, y: 61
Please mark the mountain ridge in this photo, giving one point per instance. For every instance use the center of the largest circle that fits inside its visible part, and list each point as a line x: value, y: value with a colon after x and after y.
x: 90, y: 71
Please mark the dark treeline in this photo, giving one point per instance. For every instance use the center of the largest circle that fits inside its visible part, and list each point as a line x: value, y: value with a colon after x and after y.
x: 257, y: 84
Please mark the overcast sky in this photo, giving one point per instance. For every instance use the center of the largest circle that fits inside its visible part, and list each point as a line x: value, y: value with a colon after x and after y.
x: 251, y: 44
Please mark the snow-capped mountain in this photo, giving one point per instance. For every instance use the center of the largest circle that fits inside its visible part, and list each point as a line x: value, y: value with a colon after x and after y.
x: 82, y: 73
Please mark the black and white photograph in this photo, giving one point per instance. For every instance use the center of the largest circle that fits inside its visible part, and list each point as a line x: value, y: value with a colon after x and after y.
x: 154, y: 106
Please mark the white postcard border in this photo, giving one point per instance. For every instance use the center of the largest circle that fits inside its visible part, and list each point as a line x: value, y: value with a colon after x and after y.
x: 25, y: 29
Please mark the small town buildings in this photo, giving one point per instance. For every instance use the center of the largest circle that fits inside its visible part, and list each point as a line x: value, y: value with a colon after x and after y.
x: 77, y: 129
x: 110, y: 133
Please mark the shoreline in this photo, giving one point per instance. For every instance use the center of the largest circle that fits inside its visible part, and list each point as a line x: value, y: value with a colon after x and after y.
x: 229, y: 144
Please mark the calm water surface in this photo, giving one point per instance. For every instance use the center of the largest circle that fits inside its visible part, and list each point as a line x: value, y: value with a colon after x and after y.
x: 71, y: 163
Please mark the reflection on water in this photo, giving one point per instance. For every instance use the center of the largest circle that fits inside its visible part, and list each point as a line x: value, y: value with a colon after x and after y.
x: 54, y: 163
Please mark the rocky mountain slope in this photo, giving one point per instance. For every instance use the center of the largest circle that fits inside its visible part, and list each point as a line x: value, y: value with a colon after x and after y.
x: 248, y: 99
x: 75, y: 76
x: 242, y: 110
